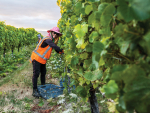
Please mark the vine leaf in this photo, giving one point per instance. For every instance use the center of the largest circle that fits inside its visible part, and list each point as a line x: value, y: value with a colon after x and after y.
x: 136, y: 87
x: 84, y: 55
x: 134, y: 9
x: 78, y: 7
x: 106, y: 17
x: 87, y: 63
x: 80, y: 42
x: 93, y: 36
x: 88, y: 9
x: 89, y: 48
x: 97, y: 46
x: 117, y: 72
x: 92, y: 76
x: 101, y: 61
x: 146, y: 43
x: 80, y: 31
x: 91, y: 18
x: 107, y: 14
x: 95, y: 61
x: 82, y: 91
x: 111, y: 88
x: 124, y: 47
x: 74, y: 60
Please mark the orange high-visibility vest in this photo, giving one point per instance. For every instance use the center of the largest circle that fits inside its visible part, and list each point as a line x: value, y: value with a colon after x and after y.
x: 41, y: 54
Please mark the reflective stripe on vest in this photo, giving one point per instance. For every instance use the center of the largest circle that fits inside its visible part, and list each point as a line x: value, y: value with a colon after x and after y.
x: 30, y: 59
x: 42, y: 56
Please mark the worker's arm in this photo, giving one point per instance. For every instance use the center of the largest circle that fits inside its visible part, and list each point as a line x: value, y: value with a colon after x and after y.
x: 54, y: 46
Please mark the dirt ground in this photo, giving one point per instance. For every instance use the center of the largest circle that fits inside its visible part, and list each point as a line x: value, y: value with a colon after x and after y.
x: 20, y: 86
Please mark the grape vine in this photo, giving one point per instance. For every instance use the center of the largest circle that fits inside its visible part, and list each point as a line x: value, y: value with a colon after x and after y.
x: 106, y: 45
x: 11, y: 37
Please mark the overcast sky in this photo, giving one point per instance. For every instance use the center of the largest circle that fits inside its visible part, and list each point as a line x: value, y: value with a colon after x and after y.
x: 38, y: 14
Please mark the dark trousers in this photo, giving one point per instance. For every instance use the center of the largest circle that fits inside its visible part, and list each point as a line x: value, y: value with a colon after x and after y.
x: 37, y: 69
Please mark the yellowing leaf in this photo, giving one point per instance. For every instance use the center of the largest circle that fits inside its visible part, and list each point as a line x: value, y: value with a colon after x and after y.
x: 95, y: 86
x: 80, y: 41
x: 101, y: 61
x: 112, y: 107
x: 82, y: 81
x: 84, y: 45
x: 104, y: 39
x: 88, y: 82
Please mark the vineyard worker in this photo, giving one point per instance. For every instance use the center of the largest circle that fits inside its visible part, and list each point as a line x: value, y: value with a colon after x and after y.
x: 41, y: 54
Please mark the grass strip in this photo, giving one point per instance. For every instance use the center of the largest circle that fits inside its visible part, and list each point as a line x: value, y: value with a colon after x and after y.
x: 11, y: 75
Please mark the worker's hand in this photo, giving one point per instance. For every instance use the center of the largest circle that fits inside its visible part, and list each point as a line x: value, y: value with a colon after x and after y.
x: 61, y: 52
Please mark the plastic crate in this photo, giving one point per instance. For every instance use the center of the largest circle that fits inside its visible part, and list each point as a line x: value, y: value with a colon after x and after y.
x: 50, y: 91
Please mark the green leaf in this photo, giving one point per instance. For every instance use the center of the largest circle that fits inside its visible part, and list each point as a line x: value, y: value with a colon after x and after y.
x: 107, y: 14
x: 88, y: 75
x: 137, y: 91
x: 93, y: 36
x: 111, y: 87
x: 73, y: 19
x: 92, y: 76
x: 72, y: 44
x: 84, y: 28
x: 80, y: 30
x: 74, y: 60
x: 101, y: 7
x: 89, y: 48
x: 91, y: 18
x: 84, y: 55
x: 87, y: 63
x: 145, y: 43
x: 97, y: 46
x: 88, y: 9
x: 105, y: 32
x: 72, y: 83
x: 96, y: 24
x: 121, y: 35
x: 80, y: 71
x: 101, y: 61
x: 97, y: 15
x: 78, y: 7
x: 80, y: 41
x: 138, y: 100
x: 81, y: 91
x: 106, y: 11
x: 97, y: 75
x: 124, y: 47
x: 117, y: 72
x: 122, y: 102
x: 93, y: 66
x: 134, y: 9
x: 95, y: 61
x: 132, y: 72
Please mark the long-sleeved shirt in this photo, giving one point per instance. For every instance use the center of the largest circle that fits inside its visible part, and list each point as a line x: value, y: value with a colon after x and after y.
x: 51, y: 44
